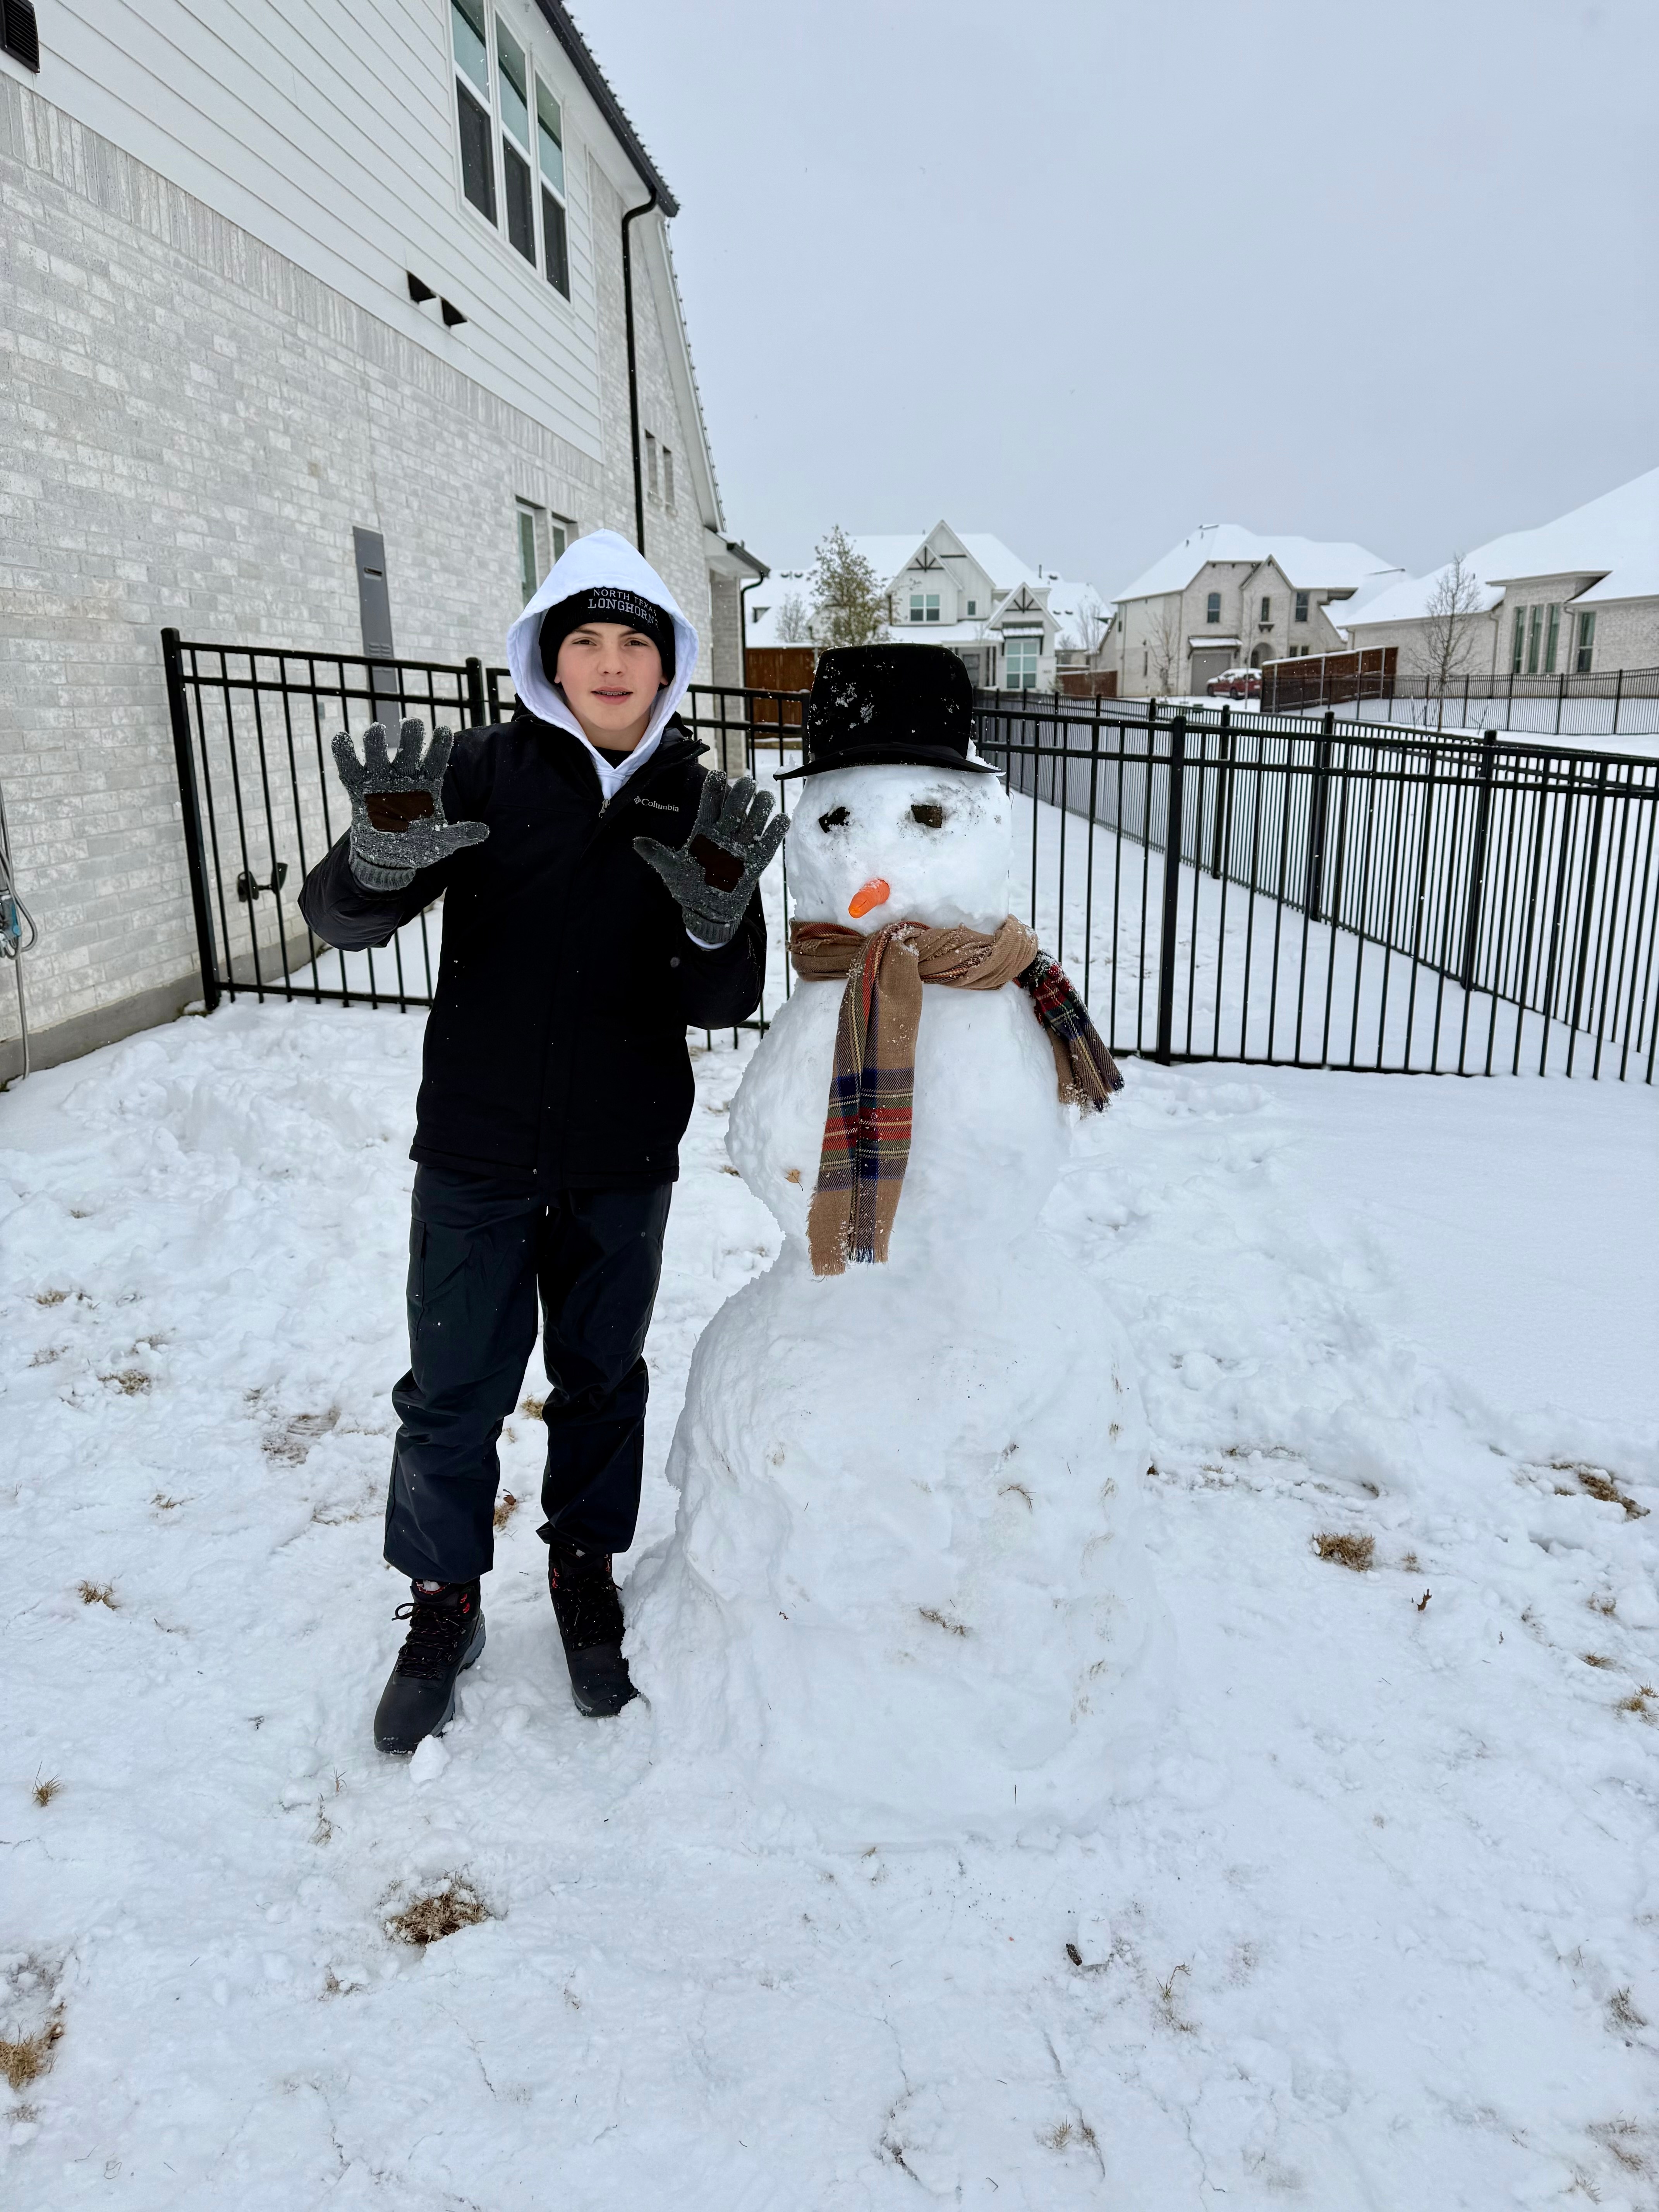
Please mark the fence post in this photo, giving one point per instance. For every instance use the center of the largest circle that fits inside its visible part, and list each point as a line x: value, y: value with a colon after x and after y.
x: 1617, y: 694
x: 1478, y: 861
x: 183, y: 755
x: 475, y: 692
x: 1586, y: 910
x: 1318, y: 802
x: 1560, y: 694
x: 1223, y: 792
x: 1166, y: 949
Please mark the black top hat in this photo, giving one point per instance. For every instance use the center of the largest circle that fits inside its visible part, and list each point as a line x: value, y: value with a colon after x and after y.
x: 873, y: 704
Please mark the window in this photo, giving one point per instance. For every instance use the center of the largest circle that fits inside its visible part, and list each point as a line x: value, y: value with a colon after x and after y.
x: 1583, y: 658
x: 466, y: 24
x: 1019, y: 660
x: 667, y: 477
x: 1520, y: 640
x: 973, y: 607
x: 1534, y: 631
x: 529, y: 145
x: 924, y: 606
x: 1212, y: 611
x: 1551, y: 639
x: 513, y: 80
x: 1302, y: 606
x: 1267, y: 610
x: 528, y: 552
x: 651, y: 464
x: 550, y: 149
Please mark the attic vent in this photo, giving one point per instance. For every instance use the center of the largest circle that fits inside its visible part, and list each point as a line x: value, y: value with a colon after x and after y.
x: 22, y: 38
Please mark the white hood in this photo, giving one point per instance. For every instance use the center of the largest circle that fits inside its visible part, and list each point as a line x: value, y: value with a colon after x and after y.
x: 601, y: 557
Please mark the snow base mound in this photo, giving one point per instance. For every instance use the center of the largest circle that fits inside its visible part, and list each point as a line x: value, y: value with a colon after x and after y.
x: 905, y: 1595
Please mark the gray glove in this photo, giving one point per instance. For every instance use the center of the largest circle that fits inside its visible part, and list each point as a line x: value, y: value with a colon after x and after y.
x: 397, y: 822
x: 712, y: 874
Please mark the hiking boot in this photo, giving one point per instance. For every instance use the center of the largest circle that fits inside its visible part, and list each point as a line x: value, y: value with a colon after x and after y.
x: 590, y: 1617
x: 445, y: 1637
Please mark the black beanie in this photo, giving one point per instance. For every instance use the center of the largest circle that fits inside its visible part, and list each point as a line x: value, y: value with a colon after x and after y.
x: 606, y: 603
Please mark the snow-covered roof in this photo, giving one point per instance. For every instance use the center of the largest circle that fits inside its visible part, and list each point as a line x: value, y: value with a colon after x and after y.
x: 1309, y: 564
x: 1615, y: 537
x: 890, y: 553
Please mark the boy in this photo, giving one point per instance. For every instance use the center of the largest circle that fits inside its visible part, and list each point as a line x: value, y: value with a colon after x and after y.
x: 599, y: 894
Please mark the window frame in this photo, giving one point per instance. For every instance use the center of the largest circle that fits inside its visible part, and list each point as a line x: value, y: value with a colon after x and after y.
x: 1213, y: 607
x: 1303, y: 600
x: 1552, y: 636
x: 547, y: 199
x: 1583, y: 651
x: 1534, y: 636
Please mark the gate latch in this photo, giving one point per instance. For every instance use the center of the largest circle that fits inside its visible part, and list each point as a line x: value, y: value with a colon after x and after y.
x: 248, y: 887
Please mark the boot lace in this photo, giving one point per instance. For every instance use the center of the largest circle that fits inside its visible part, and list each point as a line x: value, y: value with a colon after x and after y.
x: 437, y: 1636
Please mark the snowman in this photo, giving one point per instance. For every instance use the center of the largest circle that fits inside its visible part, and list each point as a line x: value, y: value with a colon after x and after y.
x: 904, y: 1596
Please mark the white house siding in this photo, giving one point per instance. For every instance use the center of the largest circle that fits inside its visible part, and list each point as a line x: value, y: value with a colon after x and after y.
x: 192, y: 425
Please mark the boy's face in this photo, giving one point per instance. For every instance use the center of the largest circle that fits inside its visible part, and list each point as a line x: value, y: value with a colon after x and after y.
x: 610, y: 675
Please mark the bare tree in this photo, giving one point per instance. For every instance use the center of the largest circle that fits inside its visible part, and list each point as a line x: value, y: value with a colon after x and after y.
x: 1089, y: 622
x: 1167, y: 647
x: 1446, y: 643
x: 848, y: 605
x: 794, y: 619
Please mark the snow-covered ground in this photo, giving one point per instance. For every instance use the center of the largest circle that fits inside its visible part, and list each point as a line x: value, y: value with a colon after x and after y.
x: 1375, y: 1924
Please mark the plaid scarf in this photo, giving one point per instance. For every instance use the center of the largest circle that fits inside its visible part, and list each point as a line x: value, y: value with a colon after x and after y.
x: 866, y: 1132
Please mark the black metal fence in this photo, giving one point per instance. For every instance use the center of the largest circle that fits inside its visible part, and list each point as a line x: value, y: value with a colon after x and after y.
x: 1221, y: 886
x: 1619, y: 702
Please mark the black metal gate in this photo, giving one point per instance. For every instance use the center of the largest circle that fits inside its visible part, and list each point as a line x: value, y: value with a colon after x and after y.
x: 1239, y: 887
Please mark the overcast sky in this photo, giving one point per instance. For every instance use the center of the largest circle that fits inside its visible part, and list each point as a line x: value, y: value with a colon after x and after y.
x: 1088, y: 274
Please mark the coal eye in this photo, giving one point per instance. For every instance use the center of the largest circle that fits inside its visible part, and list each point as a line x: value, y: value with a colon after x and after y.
x: 835, y: 819
x: 931, y: 817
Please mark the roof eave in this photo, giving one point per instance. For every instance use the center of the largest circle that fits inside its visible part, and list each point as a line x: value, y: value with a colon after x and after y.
x: 581, y: 60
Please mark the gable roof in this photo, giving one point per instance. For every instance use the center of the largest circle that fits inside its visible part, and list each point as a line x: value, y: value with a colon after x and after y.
x: 1614, y: 538
x: 1308, y: 563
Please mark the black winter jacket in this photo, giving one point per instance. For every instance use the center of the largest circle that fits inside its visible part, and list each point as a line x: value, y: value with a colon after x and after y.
x: 555, y: 1046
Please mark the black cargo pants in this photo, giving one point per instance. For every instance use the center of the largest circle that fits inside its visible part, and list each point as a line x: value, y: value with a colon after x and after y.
x: 481, y: 1253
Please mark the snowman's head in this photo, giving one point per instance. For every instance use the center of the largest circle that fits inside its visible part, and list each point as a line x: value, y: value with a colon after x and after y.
x: 868, y: 846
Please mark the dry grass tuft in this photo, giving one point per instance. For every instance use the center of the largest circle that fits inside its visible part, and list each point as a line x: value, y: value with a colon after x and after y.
x: 1356, y: 1552
x: 1638, y: 1701
x: 163, y: 1504
x: 98, y: 1593
x: 445, y: 1912
x: 1603, y: 1486
x: 1595, y: 1659
x: 1622, y: 2012
x: 505, y: 1506
x: 939, y: 1621
x: 25, y: 2058
x: 131, y: 1381
x: 1608, y: 1606
x: 45, y: 1791
x: 50, y: 1298
x: 532, y: 1408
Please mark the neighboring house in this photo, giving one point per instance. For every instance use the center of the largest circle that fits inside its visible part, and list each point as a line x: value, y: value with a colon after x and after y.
x: 1577, y: 596
x: 1226, y: 596
x: 314, y: 335
x: 1012, y: 624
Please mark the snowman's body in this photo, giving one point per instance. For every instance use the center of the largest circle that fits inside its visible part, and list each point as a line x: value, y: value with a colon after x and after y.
x: 903, y: 1593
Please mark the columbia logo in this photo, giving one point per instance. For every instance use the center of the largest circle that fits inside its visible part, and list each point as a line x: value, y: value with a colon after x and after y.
x: 661, y: 805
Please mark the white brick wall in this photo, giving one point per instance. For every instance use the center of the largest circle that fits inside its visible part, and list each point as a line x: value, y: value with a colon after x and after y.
x: 190, y: 427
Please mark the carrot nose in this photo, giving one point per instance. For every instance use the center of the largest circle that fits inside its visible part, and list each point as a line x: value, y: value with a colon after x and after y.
x: 876, y: 892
